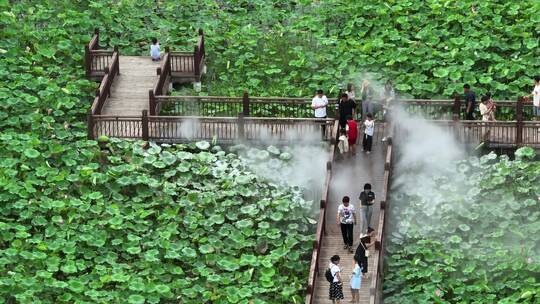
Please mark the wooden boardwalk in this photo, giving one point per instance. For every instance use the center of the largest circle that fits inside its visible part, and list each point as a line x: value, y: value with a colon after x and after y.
x: 129, y: 91
x: 348, y: 178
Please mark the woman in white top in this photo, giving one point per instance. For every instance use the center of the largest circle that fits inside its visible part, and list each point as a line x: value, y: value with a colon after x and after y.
x: 336, y: 287
x: 536, y: 98
x: 485, y: 111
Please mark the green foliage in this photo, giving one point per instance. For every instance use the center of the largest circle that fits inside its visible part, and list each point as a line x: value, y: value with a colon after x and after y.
x: 133, y: 224
x: 476, y: 241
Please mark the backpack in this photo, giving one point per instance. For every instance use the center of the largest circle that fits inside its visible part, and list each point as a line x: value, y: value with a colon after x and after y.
x: 328, y: 275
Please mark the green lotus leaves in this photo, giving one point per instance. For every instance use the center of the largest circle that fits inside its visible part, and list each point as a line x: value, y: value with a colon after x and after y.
x: 205, y: 249
x: 136, y: 299
x: 76, y: 286
x: 467, y: 238
x: 31, y: 153
x: 525, y: 153
x: 202, y: 145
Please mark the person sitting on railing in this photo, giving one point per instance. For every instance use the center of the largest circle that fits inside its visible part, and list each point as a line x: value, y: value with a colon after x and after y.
x: 154, y: 50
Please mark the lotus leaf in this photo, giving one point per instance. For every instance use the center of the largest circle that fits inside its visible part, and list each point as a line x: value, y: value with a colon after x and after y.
x: 203, y: 145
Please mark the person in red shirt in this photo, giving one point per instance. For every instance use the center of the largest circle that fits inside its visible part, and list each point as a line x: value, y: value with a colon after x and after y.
x: 352, y: 133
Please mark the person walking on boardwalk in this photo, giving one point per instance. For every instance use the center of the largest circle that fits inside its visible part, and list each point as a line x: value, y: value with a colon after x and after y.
x: 369, y: 130
x: 346, y: 108
x: 362, y: 251
x: 352, y: 134
x: 336, y: 287
x: 356, y: 281
x: 470, y: 102
x: 536, y: 98
x: 367, y: 198
x: 346, y: 219
x: 367, y: 98
x: 318, y: 104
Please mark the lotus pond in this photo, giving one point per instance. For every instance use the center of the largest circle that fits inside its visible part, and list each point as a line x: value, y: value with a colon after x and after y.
x: 475, y: 239
x: 179, y: 222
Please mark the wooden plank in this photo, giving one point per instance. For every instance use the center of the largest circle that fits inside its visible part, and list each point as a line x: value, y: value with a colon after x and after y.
x: 129, y: 93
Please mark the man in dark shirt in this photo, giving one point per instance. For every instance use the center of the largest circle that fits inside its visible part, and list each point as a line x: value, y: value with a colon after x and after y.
x: 470, y: 102
x: 346, y: 108
x: 367, y: 198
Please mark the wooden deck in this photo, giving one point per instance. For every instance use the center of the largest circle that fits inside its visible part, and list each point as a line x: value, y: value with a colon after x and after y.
x: 129, y: 91
x: 348, y: 178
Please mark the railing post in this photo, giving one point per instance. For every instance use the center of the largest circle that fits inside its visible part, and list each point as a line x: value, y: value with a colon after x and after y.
x: 145, y: 125
x: 90, y: 124
x: 519, y: 121
x: 118, y: 63
x: 96, y: 32
x: 201, y: 50
x: 87, y: 60
x: 245, y: 104
x: 457, y: 107
x: 152, y: 102
x: 197, y: 64
x: 241, y: 134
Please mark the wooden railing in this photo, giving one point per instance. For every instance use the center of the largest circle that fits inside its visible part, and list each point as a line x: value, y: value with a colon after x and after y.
x: 104, y: 89
x: 96, y: 60
x: 228, y: 106
x: 189, y: 64
x: 443, y: 109
x: 161, y: 87
x: 224, y: 129
x: 454, y: 109
x: 321, y: 223
x: 375, y: 289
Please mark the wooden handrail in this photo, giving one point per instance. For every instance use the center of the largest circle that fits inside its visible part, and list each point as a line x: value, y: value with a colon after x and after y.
x: 375, y: 289
x: 104, y: 89
x: 448, y: 102
x: 160, y: 90
x: 314, y: 270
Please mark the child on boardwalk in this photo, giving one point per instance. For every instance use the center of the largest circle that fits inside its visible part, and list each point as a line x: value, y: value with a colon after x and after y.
x: 352, y: 134
x: 346, y: 219
x: 369, y: 129
x: 343, y: 144
x: 154, y: 50
x: 356, y: 281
